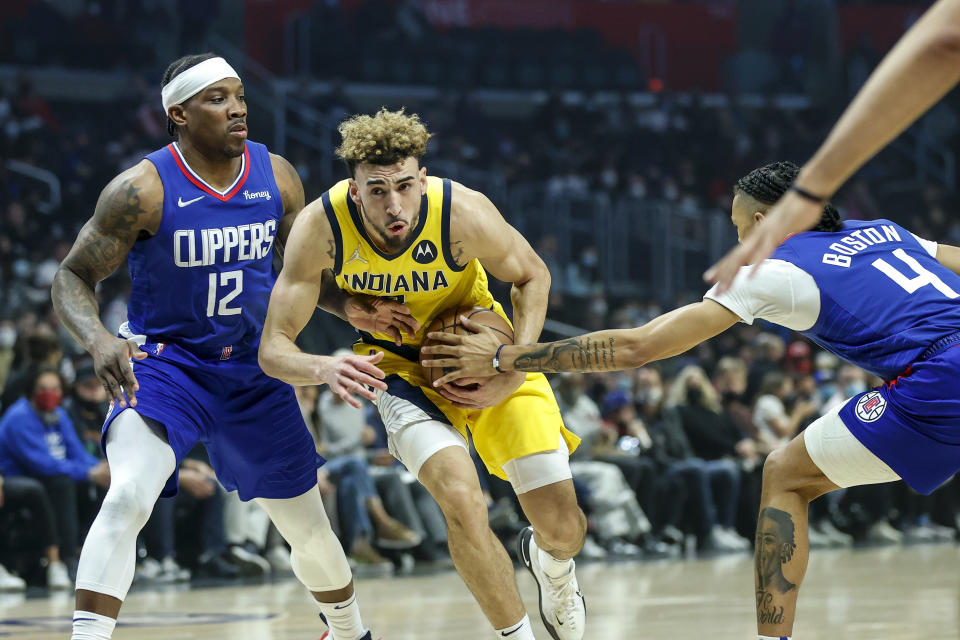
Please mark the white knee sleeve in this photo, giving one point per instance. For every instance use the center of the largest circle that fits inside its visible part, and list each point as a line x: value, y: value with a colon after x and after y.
x: 318, y: 559
x: 140, y: 463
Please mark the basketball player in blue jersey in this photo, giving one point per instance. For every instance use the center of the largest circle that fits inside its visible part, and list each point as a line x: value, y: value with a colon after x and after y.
x: 869, y: 292
x: 198, y: 222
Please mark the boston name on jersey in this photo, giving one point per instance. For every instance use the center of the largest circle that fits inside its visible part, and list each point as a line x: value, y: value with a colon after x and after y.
x: 857, y: 241
x: 203, y: 247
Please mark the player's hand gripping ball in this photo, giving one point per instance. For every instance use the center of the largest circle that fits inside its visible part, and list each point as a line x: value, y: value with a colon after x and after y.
x: 449, y: 322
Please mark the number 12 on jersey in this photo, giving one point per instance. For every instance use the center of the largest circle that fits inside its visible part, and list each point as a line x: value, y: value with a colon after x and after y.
x: 225, y: 279
x: 922, y: 278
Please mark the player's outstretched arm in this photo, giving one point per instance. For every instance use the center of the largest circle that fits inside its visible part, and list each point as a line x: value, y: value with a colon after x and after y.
x: 292, y: 302
x: 949, y: 257
x: 131, y: 204
x: 477, y: 230
x: 613, y: 350
x: 917, y: 72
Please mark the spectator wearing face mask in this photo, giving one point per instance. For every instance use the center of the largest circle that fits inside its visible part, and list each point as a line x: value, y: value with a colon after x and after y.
x: 87, y: 405
x: 851, y: 380
x: 38, y: 440
x: 41, y: 350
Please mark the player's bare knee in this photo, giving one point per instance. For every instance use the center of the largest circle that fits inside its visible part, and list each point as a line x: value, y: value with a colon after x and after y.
x: 463, y: 507
x: 781, y: 473
x: 564, y: 529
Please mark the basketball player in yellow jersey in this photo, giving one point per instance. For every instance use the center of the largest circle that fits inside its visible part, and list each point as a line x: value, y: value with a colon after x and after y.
x: 388, y: 249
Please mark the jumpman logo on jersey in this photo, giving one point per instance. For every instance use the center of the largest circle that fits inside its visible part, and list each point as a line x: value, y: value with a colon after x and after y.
x: 356, y: 257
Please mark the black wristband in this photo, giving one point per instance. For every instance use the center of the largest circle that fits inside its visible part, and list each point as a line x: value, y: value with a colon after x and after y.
x: 806, y: 195
x: 496, y: 359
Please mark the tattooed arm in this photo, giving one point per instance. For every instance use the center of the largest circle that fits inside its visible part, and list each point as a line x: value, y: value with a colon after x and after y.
x: 291, y: 191
x: 292, y: 301
x: 479, y: 231
x: 669, y: 335
x: 129, y: 207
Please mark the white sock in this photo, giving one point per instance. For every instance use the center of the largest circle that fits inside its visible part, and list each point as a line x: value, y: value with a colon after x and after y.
x: 773, y: 637
x: 92, y: 626
x: 519, y: 631
x: 343, y: 618
x: 551, y: 566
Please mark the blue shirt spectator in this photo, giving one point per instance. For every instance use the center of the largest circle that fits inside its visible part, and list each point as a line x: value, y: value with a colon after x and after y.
x: 41, y: 444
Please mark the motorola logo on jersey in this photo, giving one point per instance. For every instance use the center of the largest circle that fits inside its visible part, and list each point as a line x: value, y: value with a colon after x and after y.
x: 871, y: 406
x: 425, y: 252
x: 203, y: 247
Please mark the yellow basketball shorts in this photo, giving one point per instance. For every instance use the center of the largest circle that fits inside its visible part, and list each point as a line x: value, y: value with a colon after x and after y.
x: 527, y: 422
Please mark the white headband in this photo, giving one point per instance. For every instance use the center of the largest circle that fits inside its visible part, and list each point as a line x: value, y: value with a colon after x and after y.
x: 194, y: 80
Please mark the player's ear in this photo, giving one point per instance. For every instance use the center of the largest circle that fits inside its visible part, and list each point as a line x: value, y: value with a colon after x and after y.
x: 423, y: 178
x: 757, y: 217
x: 354, y: 191
x: 176, y: 113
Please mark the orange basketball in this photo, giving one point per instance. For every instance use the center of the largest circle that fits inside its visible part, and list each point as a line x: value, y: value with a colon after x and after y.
x: 449, y: 322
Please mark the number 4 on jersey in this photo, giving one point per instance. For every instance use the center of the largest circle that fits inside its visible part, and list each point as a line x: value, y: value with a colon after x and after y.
x: 922, y: 278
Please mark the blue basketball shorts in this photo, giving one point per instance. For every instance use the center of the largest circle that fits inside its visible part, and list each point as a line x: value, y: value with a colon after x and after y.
x: 913, y: 423
x: 249, y: 422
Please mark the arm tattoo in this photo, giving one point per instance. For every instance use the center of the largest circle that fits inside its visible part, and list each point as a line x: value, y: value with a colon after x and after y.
x: 331, y: 248
x: 575, y: 354
x: 100, y: 249
x: 456, y: 250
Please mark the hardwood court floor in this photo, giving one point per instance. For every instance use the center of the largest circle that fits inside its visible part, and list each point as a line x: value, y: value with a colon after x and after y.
x: 891, y: 593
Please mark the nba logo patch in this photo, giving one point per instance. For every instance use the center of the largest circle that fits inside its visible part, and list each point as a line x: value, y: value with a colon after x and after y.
x: 160, y: 346
x: 871, y: 406
x: 225, y: 354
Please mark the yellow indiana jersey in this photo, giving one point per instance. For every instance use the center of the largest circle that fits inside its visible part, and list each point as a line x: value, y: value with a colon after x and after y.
x: 425, y: 278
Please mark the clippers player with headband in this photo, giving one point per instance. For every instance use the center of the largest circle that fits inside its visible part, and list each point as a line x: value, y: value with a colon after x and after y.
x: 870, y: 292
x: 199, y: 222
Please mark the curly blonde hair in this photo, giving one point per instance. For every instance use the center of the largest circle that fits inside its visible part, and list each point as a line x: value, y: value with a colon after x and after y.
x: 384, y: 139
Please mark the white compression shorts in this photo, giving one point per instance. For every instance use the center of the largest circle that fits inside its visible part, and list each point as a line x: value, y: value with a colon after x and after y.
x: 414, y: 436
x: 840, y: 456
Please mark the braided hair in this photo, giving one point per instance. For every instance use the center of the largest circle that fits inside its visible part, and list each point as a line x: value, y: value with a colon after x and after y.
x: 175, y: 68
x: 768, y: 184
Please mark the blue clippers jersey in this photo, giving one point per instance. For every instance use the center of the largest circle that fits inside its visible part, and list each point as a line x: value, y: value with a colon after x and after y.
x: 204, y: 280
x: 883, y: 298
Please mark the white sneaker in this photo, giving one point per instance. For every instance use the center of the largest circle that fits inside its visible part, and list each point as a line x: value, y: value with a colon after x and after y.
x: 170, y: 571
x: 149, y: 569
x: 250, y: 563
x: 57, y: 577
x: 562, y: 607
x: 735, y: 538
x: 718, y: 541
x: 10, y: 582
x: 279, y: 559
x: 837, y: 538
x: 592, y: 550
x: 882, y: 532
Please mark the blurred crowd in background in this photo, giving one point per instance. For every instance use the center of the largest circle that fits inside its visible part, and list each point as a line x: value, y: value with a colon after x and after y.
x: 672, y: 453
